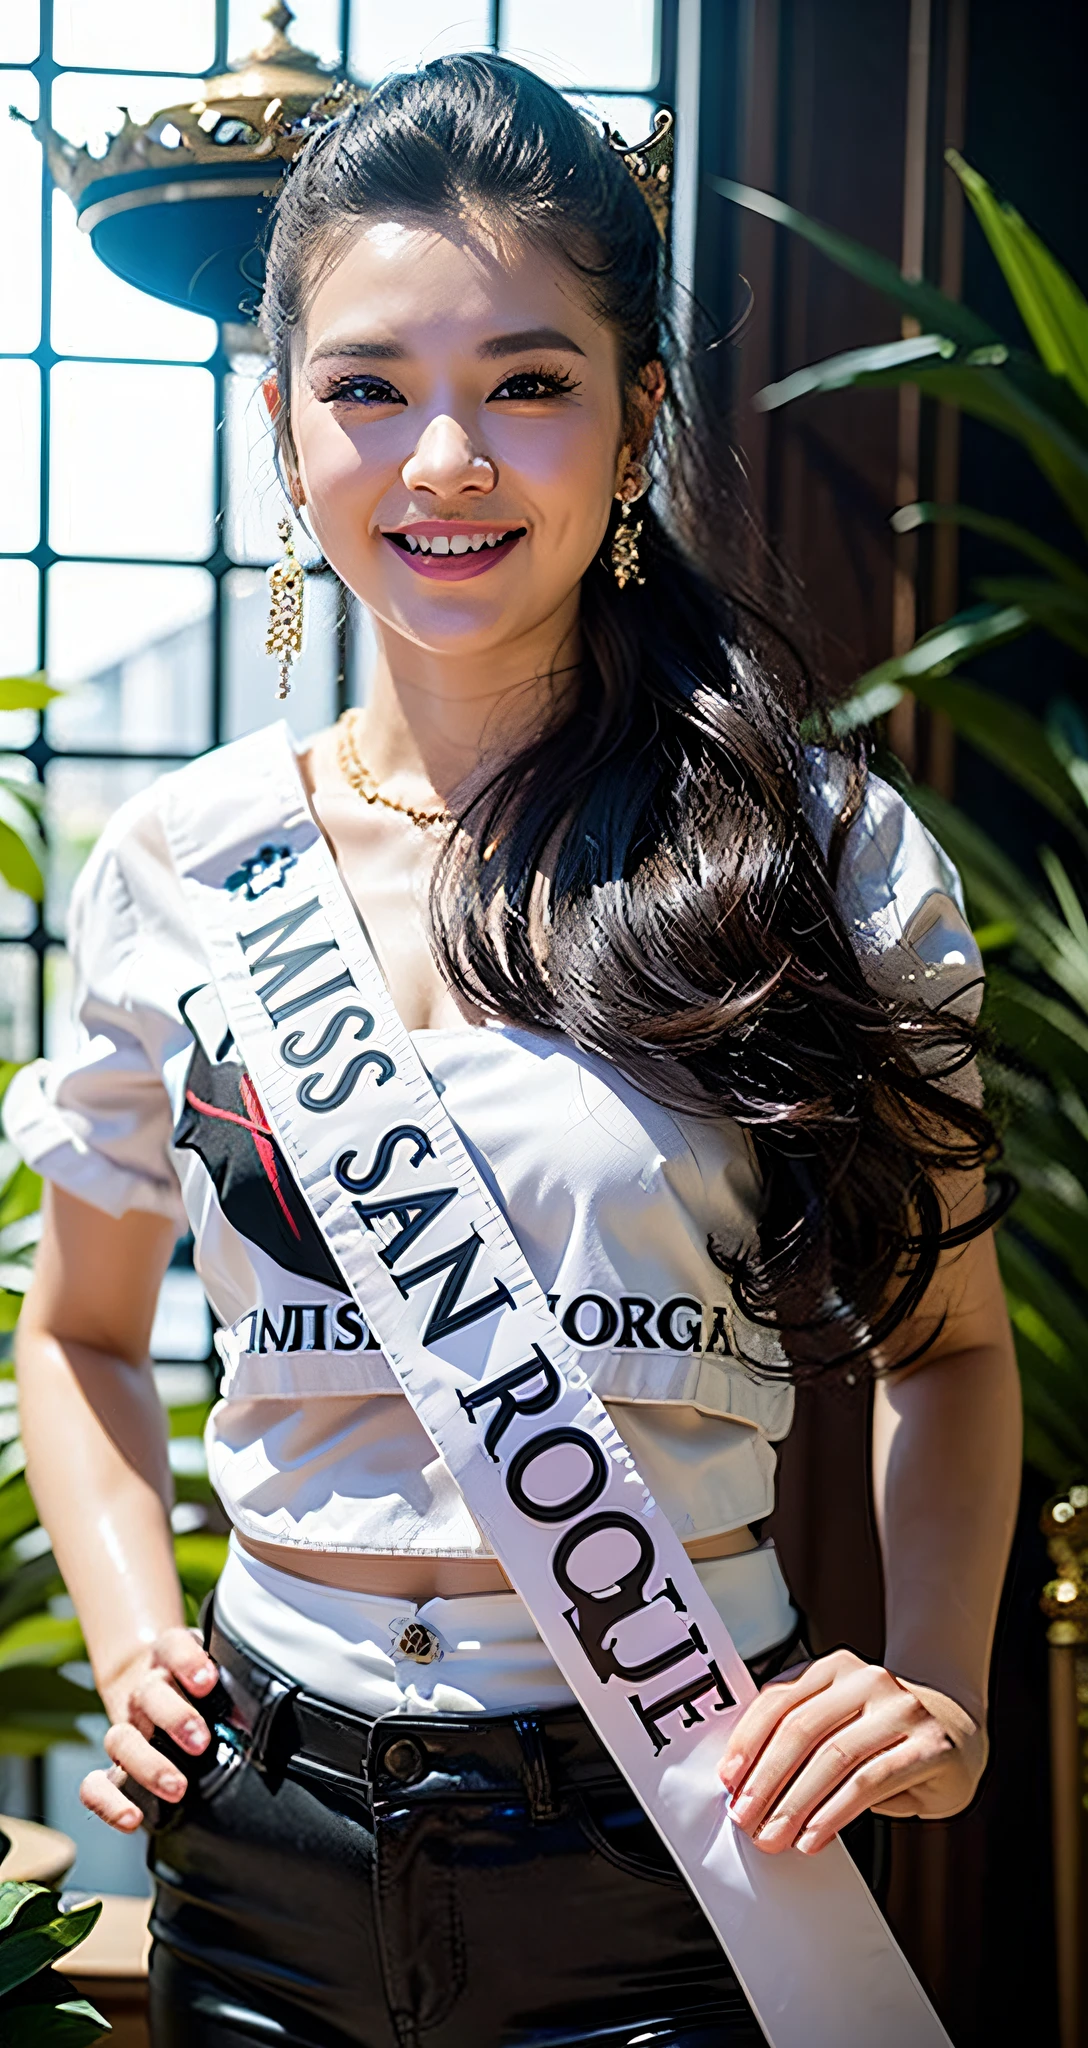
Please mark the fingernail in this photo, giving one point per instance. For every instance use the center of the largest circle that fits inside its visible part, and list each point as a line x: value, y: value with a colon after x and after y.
x: 194, y: 1734
x: 742, y: 1805
x: 171, y: 1785
x: 730, y: 1769
x: 128, y: 1820
x: 772, y: 1830
x: 806, y: 1843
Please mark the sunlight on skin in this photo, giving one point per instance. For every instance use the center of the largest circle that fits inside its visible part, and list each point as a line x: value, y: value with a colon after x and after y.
x: 446, y: 423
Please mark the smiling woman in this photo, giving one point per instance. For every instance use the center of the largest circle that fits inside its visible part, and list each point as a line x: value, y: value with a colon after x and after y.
x: 564, y: 992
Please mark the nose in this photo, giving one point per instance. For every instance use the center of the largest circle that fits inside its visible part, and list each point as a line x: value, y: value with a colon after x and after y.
x: 445, y: 463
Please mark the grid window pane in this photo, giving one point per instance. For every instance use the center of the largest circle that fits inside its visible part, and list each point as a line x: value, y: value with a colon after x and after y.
x: 20, y: 218
x: 59, y: 1028
x: 95, y: 313
x: 134, y: 647
x: 141, y: 35
x: 252, y: 675
x: 80, y: 798
x: 584, y: 42
x: 316, y: 27
x: 255, y: 496
x: 18, y: 620
x: 132, y: 461
x: 20, y: 408
x: 385, y: 38
x: 20, y: 32
x: 629, y: 114
x: 88, y: 109
x: 18, y: 1003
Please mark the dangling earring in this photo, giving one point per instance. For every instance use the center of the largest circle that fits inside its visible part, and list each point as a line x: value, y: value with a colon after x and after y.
x: 285, y: 582
x: 625, y: 563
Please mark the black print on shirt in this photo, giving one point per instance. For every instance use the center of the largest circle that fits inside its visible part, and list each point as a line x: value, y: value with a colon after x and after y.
x: 223, y: 1123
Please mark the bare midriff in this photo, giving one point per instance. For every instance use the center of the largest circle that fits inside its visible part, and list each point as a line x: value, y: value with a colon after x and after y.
x: 433, y: 1578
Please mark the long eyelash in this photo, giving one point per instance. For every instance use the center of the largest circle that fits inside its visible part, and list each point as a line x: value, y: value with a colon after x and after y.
x: 555, y: 382
x: 350, y: 385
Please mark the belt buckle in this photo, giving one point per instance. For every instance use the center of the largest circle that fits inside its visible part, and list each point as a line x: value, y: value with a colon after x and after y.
x: 417, y: 1642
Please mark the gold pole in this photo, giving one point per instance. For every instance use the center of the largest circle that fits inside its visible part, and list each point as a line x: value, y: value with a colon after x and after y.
x: 1065, y: 1601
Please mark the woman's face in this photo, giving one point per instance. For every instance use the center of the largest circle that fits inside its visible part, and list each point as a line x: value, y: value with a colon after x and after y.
x: 458, y: 420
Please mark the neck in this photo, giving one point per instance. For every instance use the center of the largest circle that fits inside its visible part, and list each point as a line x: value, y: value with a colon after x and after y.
x: 439, y: 716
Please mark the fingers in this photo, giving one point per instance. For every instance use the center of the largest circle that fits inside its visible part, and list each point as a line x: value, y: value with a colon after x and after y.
x: 165, y: 1708
x: 815, y: 1751
x: 181, y: 1653
x: 101, y: 1795
x: 133, y: 1752
x: 779, y: 1698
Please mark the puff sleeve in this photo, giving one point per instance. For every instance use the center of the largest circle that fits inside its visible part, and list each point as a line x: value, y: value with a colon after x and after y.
x: 98, y: 1123
x: 899, y: 895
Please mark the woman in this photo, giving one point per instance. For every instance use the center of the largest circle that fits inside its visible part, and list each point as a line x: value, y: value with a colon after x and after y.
x: 699, y: 1002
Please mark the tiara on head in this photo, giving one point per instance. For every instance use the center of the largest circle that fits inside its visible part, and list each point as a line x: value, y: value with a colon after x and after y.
x: 650, y: 165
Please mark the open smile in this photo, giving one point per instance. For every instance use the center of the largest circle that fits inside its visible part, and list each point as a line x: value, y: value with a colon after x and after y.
x: 451, y: 551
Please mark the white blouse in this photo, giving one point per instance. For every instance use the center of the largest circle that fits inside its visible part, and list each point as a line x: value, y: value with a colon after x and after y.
x: 611, y: 1198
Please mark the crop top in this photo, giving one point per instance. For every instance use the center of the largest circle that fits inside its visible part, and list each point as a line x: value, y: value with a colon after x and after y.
x: 611, y: 1197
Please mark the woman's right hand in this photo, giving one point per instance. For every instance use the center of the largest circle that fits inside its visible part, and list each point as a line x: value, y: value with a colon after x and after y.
x: 144, y: 1696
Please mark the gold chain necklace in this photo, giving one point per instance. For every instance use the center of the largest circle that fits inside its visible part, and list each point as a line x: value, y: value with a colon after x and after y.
x: 355, y: 771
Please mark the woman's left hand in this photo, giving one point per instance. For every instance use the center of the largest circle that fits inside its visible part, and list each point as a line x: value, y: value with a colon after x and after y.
x: 820, y: 1747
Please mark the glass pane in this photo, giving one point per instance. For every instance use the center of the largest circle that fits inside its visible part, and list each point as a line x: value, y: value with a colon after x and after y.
x: 80, y: 796
x: 252, y: 675
x: 18, y: 1003
x: 88, y: 109
x: 132, y: 461
x: 20, y: 35
x: 255, y: 496
x: 584, y: 42
x: 134, y: 34
x: 20, y: 409
x: 385, y: 38
x: 18, y: 644
x: 17, y: 912
x: 135, y: 648
x: 18, y: 621
x: 60, y: 1025
x: 316, y: 28
x: 630, y: 115
x: 20, y: 217
x: 95, y: 313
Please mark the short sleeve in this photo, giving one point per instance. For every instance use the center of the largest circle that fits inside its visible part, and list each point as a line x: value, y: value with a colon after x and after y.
x: 98, y: 1123
x: 899, y: 895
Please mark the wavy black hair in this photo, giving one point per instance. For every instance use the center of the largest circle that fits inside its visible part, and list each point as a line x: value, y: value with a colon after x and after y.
x: 689, y: 932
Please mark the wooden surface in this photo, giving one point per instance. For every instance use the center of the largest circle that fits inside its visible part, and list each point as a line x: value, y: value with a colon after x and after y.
x: 37, y: 1855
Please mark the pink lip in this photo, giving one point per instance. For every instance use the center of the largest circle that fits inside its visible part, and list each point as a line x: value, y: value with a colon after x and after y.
x: 452, y: 568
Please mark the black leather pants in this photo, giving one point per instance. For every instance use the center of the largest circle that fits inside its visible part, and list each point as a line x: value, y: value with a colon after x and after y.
x: 428, y: 1882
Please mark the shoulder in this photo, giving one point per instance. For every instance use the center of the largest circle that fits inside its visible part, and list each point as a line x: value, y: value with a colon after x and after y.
x: 899, y: 894
x: 130, y: 878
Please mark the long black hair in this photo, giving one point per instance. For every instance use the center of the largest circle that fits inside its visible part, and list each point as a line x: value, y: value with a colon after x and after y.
x: 689, y: 931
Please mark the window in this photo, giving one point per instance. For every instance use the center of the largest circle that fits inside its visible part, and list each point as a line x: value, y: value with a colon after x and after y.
x: 140, y: 503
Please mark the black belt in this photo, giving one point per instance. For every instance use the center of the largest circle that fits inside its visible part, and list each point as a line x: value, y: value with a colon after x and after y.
x: 261, y: 1717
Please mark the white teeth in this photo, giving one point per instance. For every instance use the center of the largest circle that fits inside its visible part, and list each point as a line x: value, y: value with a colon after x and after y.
x: 476, y: 543
x: 440, y: 545
x: 423, y: 544
x: 491, y: 539
x: 413, y: 544
x: 459, y: 545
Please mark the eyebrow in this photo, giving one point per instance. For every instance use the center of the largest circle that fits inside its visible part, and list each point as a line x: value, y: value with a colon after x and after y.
x: 489, y: 351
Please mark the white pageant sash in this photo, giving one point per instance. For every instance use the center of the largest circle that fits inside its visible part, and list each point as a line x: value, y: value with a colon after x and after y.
x: 431, y: 1261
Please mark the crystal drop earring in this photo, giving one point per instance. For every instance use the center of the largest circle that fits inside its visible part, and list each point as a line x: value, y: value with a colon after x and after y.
x: 285, y: 583
x: 625, y: 561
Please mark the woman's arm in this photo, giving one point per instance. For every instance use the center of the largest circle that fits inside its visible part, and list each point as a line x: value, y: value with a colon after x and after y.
x: 97, y: 1463
x: 908, y: 1736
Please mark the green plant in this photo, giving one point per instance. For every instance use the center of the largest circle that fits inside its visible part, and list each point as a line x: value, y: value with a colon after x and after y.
x: 1034, y: 929
x: 39, y: 2007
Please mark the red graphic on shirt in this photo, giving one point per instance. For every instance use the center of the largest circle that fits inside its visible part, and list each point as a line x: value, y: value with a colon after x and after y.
x: 254, y: 1123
